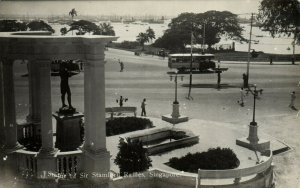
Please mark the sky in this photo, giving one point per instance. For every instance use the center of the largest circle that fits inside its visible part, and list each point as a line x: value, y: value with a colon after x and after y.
x: 127, y: 7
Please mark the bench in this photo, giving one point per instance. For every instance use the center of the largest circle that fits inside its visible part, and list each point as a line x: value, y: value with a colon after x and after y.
x: 126, y: 109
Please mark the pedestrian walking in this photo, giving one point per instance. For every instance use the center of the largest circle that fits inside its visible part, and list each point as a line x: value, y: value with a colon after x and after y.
x: 143, y: 106
x: 293, y: 98
x: 242, y: 95
x: 245, y: 79
x: 121, y: 66
x: 121, y: 101
x: 219, y: 74
x: 219, y: 78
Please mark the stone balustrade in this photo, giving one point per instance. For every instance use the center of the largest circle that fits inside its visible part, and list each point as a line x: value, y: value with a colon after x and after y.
x: 26, y: 130
x: 27, y: 163
x: 68, y: 164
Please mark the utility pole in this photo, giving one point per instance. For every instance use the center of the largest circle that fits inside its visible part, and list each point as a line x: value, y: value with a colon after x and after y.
x: 294, y: 42
x: 191, y: 67
x: 249, y: 48
x: 203, y: 38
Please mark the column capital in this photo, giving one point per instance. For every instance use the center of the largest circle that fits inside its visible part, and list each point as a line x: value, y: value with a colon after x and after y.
x: 95, y: 63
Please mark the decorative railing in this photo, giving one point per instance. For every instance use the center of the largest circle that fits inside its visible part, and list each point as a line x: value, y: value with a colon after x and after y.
x: 27, y: 163
x: 68, y: 167
x: 29, y: 135
x: 68, y: 164
x: 26, y: 130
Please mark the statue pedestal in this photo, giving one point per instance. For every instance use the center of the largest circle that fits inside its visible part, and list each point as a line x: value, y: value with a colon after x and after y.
x: 68, y: 131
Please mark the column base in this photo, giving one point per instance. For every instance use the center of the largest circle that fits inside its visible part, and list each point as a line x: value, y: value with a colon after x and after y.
x: 96, y: 167
x: 174, y: 120
x: 46, y: 163
x: 8, y: 165
x: 261, y: 145
x: 47, y: 152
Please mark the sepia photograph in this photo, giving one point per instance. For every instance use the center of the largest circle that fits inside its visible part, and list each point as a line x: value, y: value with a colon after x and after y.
x: 150, y: 94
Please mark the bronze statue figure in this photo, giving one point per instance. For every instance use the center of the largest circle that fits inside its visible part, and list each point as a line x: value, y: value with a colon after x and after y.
x: 64, y: 74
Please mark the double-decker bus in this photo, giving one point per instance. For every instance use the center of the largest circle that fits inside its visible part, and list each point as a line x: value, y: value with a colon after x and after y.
x: 201, y: 62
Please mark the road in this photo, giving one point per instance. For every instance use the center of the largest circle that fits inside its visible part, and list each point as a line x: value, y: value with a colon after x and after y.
x: 145, y: 77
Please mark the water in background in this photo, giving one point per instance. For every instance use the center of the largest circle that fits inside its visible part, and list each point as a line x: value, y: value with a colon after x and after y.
x: 262, y: 41
x: 167, y: 8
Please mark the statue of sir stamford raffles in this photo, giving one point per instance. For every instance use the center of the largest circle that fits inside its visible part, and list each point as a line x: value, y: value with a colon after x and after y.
x: 64, y: 74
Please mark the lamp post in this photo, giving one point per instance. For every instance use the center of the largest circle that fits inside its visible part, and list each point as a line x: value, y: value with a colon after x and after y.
x: 175, y: 76
x: 253, y: 138
x: 252, y: 141
x: 175, y: 117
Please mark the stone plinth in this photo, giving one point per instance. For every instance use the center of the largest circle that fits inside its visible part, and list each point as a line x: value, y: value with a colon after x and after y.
x: 68, y: 131
x: 175, y: 117
x: 260, y: 146
x: 252, y: 141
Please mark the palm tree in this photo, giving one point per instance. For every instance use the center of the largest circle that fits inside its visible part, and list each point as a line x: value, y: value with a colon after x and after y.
x: 106, y: 29
x: 142, y: 38
x: 150, y: 33
x: 73, y: 13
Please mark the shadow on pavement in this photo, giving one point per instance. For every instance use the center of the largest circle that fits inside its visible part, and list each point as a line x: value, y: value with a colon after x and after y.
x: 214, y: 86
x: 260, y: 63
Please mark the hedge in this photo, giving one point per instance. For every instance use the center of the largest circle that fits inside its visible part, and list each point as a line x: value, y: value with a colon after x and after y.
x: 126, y: 124
x: 213, y: 159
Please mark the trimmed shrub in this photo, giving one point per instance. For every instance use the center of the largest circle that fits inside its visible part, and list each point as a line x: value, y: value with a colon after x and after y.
x: 213, y: 159
x: 127, y: 44
x: 126, y: 124
x: 132, y: 157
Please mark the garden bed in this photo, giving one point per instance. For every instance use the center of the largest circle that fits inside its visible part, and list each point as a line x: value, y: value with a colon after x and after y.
x: 126, y: 124
x: 213, y: 159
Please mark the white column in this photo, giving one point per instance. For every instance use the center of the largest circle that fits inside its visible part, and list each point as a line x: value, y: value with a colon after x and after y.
x: 34, y: 88
x: 46, y: 161
x: 2, y: 135
x: 10, y: 125
x: 96, y: 156
x: 95, y: 104
x: 45, y: 106
x: 87, y: 103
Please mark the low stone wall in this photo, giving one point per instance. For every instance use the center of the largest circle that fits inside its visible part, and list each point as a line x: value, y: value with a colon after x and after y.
x: 262, y: 172
x: 261, y: 176
x: 183, y: 139
x: 262, y: 57
x: 155, y: 135
x: 126, y: 109
x: 173, y: 145
x: 155, y: 178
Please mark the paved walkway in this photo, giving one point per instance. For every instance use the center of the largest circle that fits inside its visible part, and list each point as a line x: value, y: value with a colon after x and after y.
x: 211, y: 135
